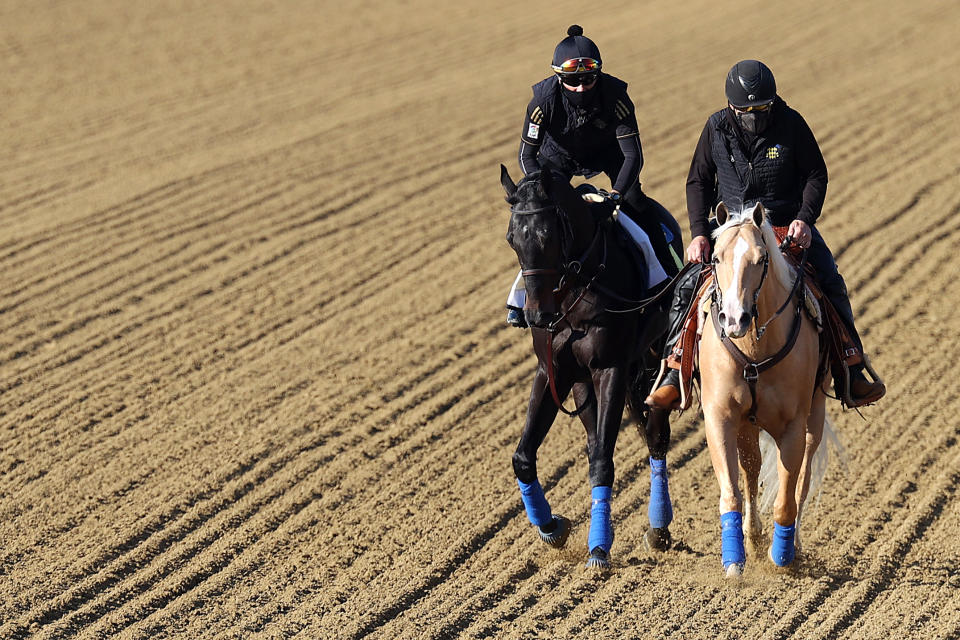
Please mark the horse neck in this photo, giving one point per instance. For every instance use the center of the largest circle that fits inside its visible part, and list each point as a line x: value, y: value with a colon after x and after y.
x: 584, y: 228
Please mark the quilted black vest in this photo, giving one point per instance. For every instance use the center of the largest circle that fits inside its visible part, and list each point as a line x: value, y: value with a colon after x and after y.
x: 766, y: 171
x: 590, y: 148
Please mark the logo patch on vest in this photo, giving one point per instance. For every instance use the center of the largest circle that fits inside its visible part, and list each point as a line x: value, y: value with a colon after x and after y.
x: 533, y: 131
x: 773, y: 152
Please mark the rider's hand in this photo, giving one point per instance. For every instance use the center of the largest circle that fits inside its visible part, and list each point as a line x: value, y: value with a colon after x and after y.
x: 801, y: 233
x: 699, y: 249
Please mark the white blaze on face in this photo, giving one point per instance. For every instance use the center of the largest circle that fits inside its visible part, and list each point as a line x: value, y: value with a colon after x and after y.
x: 732, y: 305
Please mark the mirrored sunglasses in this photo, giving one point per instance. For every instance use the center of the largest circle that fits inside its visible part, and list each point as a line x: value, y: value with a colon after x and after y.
x: 578, y: 65
x: 757, y: 107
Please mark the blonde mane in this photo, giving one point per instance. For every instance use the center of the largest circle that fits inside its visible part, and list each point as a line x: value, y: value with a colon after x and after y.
x: 779, y: 267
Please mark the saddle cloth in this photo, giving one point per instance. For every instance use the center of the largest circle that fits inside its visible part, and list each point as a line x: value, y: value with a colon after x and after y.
x: 838, y: 352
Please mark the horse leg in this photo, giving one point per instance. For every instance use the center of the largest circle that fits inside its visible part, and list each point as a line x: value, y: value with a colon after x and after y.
x: 722, y: 426
x: 815, y: 423
x: 610, y: 388
x: 748, y: 446
x: 792, y: 447
x: 660, y: 509
x: 541, y: 412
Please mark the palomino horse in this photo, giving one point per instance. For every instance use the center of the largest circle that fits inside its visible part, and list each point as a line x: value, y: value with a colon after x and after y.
x: 761, y: 379
x: 576, y: 274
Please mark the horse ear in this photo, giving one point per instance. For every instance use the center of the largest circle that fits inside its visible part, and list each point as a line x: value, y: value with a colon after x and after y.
x: 507, y: 183
x: 757, y: 214
x: 722, y: 214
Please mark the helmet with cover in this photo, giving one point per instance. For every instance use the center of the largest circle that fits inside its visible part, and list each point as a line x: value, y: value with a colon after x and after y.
x: 576, y: 60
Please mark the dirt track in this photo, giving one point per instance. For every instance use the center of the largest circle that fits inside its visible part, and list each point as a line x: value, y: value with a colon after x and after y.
x: 254, y: 375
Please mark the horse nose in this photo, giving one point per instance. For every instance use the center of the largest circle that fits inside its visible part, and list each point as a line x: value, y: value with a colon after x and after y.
x: 538, y: 318
x: 744, y: 319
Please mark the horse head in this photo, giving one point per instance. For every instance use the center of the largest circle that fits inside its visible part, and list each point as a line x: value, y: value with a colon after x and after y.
x: 540, y: 236
x: 740, y: 261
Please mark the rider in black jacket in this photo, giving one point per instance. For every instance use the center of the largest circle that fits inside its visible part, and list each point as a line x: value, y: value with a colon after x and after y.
x: 759, y: 149
x: 581, y: 122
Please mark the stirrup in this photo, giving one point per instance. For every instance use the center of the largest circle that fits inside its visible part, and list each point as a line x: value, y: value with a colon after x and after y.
x: 846, y: 394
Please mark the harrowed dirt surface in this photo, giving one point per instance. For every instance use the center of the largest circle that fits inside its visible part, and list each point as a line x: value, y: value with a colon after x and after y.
x: 254, y: 375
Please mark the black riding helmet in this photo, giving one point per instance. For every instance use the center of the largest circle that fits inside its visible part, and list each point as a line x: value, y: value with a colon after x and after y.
x: 751, y: 91
x: 750, y: 83
x: 576, y: 60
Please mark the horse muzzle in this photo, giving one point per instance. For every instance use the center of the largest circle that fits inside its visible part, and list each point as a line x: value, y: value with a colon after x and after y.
x: 734, y: 325
x: 540, y: 319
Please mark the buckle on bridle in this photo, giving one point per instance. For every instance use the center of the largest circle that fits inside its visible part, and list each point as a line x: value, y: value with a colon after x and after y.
x: 751, y: 372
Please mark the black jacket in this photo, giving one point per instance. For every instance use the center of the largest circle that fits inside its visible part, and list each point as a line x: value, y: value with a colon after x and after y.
x: 782, y: 168
x: 601, y: 139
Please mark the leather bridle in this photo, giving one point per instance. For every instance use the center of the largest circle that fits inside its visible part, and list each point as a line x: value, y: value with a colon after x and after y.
x: 753, y: 368
x: 572, y: 269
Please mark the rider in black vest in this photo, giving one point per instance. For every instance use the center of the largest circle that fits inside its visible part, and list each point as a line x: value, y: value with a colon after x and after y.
x: 581, y: 122
x: 759, y: 149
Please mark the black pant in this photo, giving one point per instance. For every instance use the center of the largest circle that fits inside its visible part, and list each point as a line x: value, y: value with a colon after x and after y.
x: 831, y: 282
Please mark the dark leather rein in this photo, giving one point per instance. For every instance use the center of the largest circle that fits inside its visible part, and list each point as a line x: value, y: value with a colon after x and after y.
x: 753, y: 368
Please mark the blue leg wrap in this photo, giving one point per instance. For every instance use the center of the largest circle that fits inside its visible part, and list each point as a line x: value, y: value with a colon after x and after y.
x: 731, y: 538
x: 783, y: 550
x: 601, y: 533
x: 538, y: 511
x: 660, y: 511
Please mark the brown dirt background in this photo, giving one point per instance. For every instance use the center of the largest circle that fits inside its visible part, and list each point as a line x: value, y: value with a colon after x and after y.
x: 254, y: 375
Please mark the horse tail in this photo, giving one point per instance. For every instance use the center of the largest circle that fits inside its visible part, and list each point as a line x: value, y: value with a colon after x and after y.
x: 770, y: 479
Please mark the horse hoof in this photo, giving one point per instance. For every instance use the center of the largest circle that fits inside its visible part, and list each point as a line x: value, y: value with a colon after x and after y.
x: 558, y: 537
x: 733, y: 570
x: 658, y: 539
x: 598, y: 559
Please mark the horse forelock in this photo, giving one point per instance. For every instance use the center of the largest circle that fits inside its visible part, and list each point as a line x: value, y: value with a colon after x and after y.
x: 779, y: 266
x: 530, y: 193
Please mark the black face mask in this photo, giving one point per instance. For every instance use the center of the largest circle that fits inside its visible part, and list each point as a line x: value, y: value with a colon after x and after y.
x: 755, y: 122
x: 582, y: 99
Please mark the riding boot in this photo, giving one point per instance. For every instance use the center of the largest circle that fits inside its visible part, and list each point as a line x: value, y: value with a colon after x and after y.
x: 515, y: 318
x: 667, y: 394
x: 862, y: 390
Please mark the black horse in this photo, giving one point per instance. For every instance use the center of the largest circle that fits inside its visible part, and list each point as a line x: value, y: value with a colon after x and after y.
x: 581, y: 281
